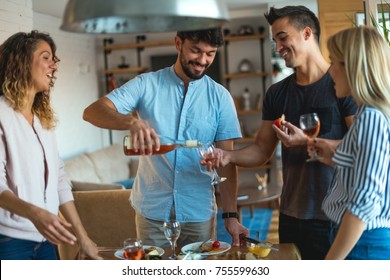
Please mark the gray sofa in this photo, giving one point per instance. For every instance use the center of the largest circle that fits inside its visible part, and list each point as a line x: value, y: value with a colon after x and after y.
x: 104, y: 169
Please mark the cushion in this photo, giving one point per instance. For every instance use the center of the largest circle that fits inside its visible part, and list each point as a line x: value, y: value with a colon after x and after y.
x: 81, y: 168
x: 127, y: 184
x: 87, y: 186
x: 110, y: 164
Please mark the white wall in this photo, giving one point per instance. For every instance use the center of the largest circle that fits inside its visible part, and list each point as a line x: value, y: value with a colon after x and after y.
x: 311, y: 4
x: 77, y: 79
x: 76, y: 87
x: 15, y: 16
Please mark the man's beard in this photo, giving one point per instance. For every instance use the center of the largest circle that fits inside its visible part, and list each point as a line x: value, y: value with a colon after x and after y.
x: 186, y: 69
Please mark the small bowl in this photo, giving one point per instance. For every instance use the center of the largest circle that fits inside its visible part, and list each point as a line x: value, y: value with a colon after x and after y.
x: 259, y: 250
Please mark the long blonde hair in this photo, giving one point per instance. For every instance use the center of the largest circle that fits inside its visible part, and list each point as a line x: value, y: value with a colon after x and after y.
x: 16, y: 55
x: 366, y: 57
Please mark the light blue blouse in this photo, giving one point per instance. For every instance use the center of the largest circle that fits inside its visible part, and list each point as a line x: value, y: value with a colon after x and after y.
x: 362, y: 179
x: 205, y: 113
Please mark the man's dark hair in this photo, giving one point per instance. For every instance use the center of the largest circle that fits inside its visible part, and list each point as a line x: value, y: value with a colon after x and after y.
x: 299, y: 16
x: 213, y: 36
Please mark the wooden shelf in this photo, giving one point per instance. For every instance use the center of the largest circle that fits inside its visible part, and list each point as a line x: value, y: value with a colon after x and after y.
x: 138, y: 45
x: 244, y: 75
x: 125, y: 70
x: 245, y: 37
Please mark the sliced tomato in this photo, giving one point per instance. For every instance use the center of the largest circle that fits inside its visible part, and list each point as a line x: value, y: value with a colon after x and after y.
x: 278, y: 122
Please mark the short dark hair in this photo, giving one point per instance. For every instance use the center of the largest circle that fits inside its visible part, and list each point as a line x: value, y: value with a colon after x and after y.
x: 299, y: 16
x: 212, y: 36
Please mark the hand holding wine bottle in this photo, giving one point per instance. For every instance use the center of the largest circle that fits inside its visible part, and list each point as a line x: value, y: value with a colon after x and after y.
x: 168, y: 144
x: 143, y: 139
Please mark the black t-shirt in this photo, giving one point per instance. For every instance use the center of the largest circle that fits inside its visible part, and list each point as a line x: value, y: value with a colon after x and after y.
x: 306, y: 184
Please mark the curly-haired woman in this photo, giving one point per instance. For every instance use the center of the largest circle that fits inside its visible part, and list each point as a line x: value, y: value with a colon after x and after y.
x: 33, y: 184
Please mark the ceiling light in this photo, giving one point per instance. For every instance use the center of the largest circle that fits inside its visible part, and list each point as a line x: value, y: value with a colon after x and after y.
x: 142, y: 16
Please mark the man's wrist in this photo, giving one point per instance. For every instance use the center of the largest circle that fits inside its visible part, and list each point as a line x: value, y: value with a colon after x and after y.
x: 227, y: 215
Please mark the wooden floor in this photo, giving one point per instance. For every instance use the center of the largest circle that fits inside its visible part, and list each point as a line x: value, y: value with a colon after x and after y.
x: 273, y: 235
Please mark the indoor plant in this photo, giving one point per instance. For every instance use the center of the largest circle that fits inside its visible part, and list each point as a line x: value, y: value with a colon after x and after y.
x: 380, y: 24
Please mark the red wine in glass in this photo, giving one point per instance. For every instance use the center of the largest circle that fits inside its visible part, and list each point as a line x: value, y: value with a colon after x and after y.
x: 310, y: 124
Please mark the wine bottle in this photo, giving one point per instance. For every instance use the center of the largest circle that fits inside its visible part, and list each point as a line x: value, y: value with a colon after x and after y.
x: 167, y: 145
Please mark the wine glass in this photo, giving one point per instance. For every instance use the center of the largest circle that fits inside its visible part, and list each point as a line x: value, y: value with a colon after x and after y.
x: 132, y: 249
x: 310, y: 124
x: 172, y: 232
x: 207, y: 151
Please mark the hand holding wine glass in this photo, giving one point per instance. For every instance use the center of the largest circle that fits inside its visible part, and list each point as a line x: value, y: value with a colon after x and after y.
x: 325, y: 147
x: 207, y: 152
x: 310, y: 124
x: 172, y: 231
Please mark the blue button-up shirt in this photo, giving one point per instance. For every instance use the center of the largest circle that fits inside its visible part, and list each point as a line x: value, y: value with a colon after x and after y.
x: 205, y: 113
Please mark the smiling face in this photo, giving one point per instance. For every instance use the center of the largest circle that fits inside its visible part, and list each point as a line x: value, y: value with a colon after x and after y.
x: 194, y: 58
x: 43, y: 67
x: 290, y: 42
x: 339, y: 75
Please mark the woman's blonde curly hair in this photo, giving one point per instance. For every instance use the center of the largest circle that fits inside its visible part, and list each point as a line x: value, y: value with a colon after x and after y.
x: 16, y: 56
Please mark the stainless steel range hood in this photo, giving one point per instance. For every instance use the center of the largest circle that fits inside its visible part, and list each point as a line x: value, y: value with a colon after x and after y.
x: 142, y: 16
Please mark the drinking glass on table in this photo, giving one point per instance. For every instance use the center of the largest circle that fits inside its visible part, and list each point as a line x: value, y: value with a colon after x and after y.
x: 207, y: 152
x: 172, y: 231
x: 132, y: 249
x: 310, y: 124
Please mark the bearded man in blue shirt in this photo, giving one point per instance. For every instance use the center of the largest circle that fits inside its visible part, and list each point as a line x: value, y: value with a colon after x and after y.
x: 179, y: 102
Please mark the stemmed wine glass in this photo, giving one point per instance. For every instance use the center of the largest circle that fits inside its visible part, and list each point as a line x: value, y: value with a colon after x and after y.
x: 172, y: 232
x: 310, y: 124
x: 207, y: 151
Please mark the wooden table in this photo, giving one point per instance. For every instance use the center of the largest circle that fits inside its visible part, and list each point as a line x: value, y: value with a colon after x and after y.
x: 249, y: 195
x: 287, y: 251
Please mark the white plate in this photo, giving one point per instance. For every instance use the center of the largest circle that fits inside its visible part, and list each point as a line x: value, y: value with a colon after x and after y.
x: 119, y: 253
x: 194, y: 246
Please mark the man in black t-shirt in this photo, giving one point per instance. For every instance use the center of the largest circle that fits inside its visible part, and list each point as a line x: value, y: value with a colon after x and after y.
x: 296, y: 31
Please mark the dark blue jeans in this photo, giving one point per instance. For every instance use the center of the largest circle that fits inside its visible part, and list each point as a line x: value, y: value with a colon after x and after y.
x: 310, y: 236
x: 19, y: 249
x: 373, y: 244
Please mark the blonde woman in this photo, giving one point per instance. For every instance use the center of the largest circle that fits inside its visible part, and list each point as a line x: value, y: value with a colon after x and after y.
x: 33, y: 186
x: 358, y: 202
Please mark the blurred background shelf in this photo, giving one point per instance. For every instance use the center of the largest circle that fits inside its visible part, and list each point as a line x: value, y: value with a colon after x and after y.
x: 245, y: 75
x: 125, y: 70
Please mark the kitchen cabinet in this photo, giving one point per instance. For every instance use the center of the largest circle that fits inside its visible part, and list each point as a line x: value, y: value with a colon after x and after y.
x: 335, y: 16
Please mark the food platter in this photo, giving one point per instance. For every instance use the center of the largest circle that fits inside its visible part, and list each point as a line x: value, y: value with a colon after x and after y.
x: 119, y: 253
x: 206, y: 250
